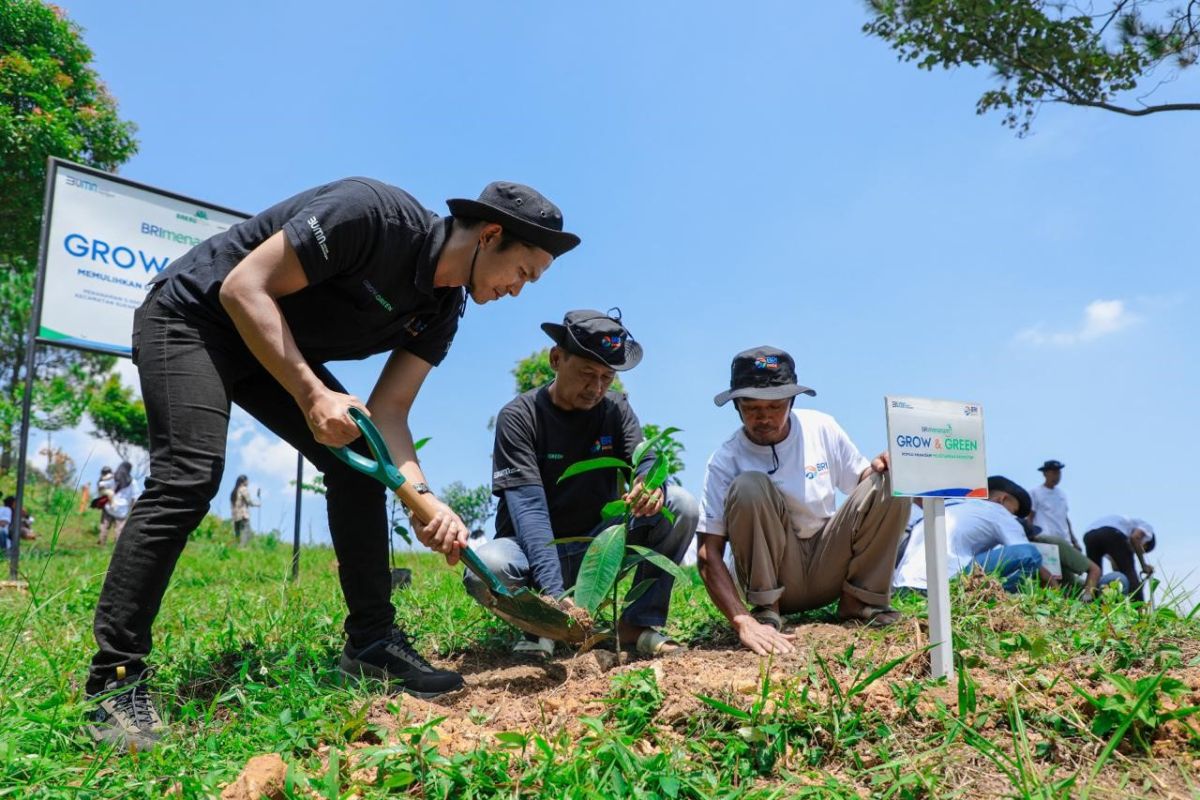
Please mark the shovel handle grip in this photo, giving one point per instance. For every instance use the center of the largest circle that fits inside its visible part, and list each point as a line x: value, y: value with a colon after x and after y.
x: 381, y: 467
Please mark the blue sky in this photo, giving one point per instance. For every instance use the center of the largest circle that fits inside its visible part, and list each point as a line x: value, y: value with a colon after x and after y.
x: 748, y: 174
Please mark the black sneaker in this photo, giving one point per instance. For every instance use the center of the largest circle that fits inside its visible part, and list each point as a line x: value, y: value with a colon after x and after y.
x: 392, y: 659
x: 125, y: 715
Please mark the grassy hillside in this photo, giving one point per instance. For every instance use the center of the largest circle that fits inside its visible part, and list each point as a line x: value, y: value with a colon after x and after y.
x: 1054, y: 698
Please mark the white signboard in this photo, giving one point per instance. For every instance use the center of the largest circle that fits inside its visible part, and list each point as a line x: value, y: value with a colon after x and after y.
x: 107, y: 238
x: 936, y: 447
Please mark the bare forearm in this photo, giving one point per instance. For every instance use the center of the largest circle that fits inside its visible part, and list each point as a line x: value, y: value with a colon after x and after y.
x: 393, y: 424
x: 260, y: 322
x: 721, y: 589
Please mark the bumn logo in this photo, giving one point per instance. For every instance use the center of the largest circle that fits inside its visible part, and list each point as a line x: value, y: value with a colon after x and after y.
x: 320, y: 234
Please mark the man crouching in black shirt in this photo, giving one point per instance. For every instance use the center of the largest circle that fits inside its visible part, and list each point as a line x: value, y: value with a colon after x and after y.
x: 541, y: 433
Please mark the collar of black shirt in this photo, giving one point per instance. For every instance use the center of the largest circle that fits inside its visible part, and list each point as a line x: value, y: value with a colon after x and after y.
x: 431, y: 251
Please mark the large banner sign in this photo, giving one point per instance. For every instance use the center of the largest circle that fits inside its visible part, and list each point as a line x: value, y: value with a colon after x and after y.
x: 936, y: 448
x: 107, y: 238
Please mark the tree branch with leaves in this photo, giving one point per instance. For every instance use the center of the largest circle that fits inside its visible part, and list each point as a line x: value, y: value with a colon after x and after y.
x: 1044, y: 52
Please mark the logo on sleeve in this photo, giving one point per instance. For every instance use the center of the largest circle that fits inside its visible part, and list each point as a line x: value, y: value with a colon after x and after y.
x: 320, y: 234
x: 811, y: 471
x: 504, y: 473
x: 766, y: 362
x: 603, y: 445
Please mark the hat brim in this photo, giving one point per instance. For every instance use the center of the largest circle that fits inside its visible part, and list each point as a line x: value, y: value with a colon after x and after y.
x: 553, y: 242
x: 764, y: 393
x: 563, y: 338
x: 1044, y: 468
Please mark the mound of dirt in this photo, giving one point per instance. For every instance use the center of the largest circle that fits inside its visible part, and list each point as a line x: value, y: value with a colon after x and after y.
x: 263, y: 776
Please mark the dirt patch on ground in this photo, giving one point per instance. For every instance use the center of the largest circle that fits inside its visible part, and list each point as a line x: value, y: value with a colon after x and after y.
x: 262, y: 777
x: 507, y: 693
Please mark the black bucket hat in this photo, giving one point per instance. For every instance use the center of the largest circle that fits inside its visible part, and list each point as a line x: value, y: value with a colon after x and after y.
x: 999, y: 483
x: 598, y: 336
x: 1051, y: 464
x: 762, y: 373
x: 521, y: 210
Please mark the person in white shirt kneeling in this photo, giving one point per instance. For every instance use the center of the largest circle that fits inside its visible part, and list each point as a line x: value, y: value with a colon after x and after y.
x: 769, y: 491
x: 984, y: 533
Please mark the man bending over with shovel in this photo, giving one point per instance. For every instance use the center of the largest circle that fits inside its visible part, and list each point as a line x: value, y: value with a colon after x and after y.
x: 541, y: 433
x: 250, y: 316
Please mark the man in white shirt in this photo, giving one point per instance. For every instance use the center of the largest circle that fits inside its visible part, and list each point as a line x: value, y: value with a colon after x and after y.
x: 1050, y: 511
x: 770, y: 491
x: 983, y: 532
x: 1121, y: 538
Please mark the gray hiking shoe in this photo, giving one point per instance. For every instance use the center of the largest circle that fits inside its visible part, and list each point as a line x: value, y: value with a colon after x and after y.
x: 125, y: 715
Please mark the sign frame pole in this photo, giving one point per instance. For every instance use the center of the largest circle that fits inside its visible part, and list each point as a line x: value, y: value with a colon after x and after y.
x: 35, y: 322
x: 296, y: 529
x: 941, y: 654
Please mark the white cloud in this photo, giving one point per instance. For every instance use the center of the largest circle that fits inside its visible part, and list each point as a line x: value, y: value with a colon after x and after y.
x: 1100, y: 318
x: 271, y: 460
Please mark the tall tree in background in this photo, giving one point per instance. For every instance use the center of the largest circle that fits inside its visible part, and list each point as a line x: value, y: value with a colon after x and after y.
x: 473, y: 506
x: 51, y: 104
x: 1087, y: 54
x: 120, y: 419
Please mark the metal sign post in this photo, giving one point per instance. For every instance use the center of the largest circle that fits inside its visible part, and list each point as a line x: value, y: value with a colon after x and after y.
x: 941, y: 657
x: 936, y: 451
x: 296, y: 530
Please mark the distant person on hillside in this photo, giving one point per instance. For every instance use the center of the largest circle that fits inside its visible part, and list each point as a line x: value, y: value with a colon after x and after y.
x: 10, y: 504
x: 541, y: 433
x: 251, y: 316
x: 984, y: 533
x: 1121, y: 539
x: 5, y: 524
x: 769, y: 493
x: 1079, y: 573
x: 115, y: 512
x: 1050, y: 509
x: 241, y: 502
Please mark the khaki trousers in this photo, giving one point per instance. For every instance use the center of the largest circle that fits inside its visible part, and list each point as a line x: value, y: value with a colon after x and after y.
x: 853, y: 554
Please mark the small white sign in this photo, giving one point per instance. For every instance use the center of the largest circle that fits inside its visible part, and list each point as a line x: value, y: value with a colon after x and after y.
x: 936, y: 447
x: 1051, y: 559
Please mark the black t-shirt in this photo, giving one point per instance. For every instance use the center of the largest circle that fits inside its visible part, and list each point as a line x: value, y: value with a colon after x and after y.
x: 535, y: 443
x: 369, y: 251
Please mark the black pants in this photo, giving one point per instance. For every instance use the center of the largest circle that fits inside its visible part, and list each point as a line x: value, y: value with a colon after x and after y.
x: 187, y: 386
x: 1111, y: 542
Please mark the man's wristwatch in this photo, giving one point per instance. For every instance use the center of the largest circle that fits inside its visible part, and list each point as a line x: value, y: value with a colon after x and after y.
x: 420, y: 487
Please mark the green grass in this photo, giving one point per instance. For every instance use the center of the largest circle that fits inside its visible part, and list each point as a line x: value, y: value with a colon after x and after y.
x: 1053, y: 698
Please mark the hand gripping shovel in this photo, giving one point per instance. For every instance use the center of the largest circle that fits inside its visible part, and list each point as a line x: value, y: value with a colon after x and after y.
x: 528, y: 611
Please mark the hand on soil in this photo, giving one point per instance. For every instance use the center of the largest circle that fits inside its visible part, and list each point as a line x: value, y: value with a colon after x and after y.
x: 763, y: 639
